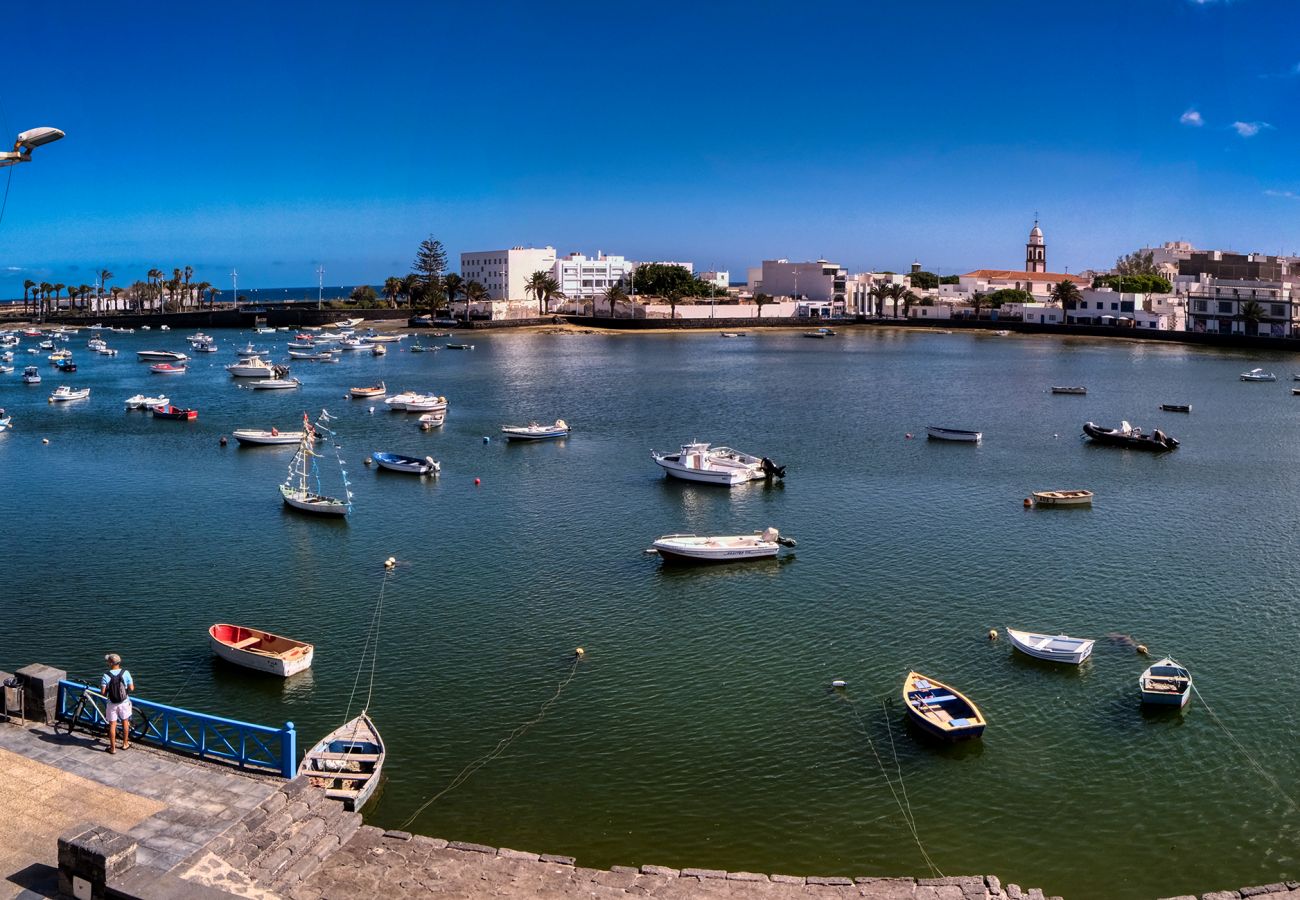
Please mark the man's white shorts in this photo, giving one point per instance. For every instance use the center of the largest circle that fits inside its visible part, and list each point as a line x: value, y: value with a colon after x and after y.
x: 118, y: 712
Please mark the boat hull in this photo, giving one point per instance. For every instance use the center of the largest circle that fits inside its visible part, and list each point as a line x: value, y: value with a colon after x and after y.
x: 954, y: 434
x: 698, y: 551
x: 1063, y: 498
x: 313, y: 503
x: 726, y: 477
x: 249, y: 437
x: 409, y: 465
x: 538, y: 434
x: 265, y: 655
x: 941, y: 711
x: 1110, y: 437
x: 348, y: 763
x: 1051, y: 648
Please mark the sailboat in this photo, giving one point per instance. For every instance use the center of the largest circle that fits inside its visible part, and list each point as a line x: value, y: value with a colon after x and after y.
x: 302, y: 486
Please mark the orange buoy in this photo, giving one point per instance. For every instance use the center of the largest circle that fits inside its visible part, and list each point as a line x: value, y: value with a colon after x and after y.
x: 1028, y: 503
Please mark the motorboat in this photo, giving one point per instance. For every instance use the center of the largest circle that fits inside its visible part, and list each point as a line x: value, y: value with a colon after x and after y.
x: 66, y: 365
x: 257, y: 437
x: 311, y: 354
x: 939, y: 710
x: 248, y: 351
x: 953, y: 434
x: 59, y: 356
x: 6, y: 370
x: 275, y: 384
x: 260, y: 650
x: 1165, y: 683
x: 173, y: 412
x: 426, y: 403
x: 162, y: 327
x: 417, y: 347
x: 1076, y: 389
x: 819, y: 333
x: 64, y: 393
x: 373, y: 337
x: 698, y: 461
x: 347, y: 762
x: 346, y: 323
x: 430, y: 421
x: 5, y: 421
x: 376, y: 391
x: 1054, y: 648
x: 252, y: 367
x: 46, y: 345
x: 204, y: 347
x: 31, y: 375
x: 352, y: 344
x: 199, y: 337
x: 397, y: 402
x: 107, y: 351
x: 378, y: 350
x: 1132, y: 438
x: 535, y: 432
x: 693, y: 548
x: 396, y: 462
x: 1258, y: 375
x: 166, y: 369
x: 301, y: 488
x: 460, y: 346
x: 160, y: 356
x: 1178, y: 407
x: 140, y: 401
x: 1062, y: 498
x: 733, y: 334
x: 96, y: 344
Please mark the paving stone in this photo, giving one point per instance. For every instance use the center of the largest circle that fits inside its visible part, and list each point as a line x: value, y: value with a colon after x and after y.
x: 625, y: 870
x: 787, y: 879
x: 471, y: 848
x: 704, y: 873
x: 557, y: 859
x: 829, y: 880
x: 1276, y: 888
x: 745, y: 876
x: 660, y: 870
x: 1221, y: 895
x: 398, y: 835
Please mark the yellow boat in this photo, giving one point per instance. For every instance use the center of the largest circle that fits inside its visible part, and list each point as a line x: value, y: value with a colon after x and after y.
x: 940, y: 710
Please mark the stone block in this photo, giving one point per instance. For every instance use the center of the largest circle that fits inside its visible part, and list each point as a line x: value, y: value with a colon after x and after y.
x: 1014, y: 892
x: 467, y: 847
x: 663, y: 871
x: 40, y: 691
x: 829, y: 880
x: 507, y: 853
x: 1181, y: 897
x: 1276, y: 888
x: 1221, y: 895
x: 787, y: 879
x: 397, y: 835
x: 625, y: 870
x: 993, y: 884
x: 556, y: 859
x: 704, y: 873
x: 94, y: 853
x: 430, y: 843
x: 745, y: 876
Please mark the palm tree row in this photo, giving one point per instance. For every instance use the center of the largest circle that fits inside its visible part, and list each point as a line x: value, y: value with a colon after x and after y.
x: 155, y: 294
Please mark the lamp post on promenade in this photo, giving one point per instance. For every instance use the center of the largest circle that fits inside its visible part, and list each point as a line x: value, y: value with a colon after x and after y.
x: 28, y: 141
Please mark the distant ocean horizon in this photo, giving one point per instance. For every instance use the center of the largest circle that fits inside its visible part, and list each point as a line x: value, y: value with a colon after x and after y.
x: 264, y: 295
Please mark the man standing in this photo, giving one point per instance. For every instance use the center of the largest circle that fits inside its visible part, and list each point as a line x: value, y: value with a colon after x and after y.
x: 117, y: 685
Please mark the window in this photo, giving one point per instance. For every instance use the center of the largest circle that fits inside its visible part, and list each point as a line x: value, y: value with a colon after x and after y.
x: 1114, y: 307
x: 1277, y: 310
x: 1200, y: 306
x: 1225, y: 307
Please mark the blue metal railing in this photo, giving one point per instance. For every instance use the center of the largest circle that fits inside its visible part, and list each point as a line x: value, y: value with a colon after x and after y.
x: 246, y: 745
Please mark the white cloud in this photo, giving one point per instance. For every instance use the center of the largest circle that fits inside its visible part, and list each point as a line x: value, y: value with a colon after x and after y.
x: 1191, y: 117
x: 1286, y: 195
x: 1249, y: 129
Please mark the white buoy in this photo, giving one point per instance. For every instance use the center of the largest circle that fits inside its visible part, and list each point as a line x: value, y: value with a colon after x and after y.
x: 839, y: 683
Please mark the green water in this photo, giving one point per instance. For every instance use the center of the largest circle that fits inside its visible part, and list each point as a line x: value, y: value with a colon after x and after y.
x: 700, y: 730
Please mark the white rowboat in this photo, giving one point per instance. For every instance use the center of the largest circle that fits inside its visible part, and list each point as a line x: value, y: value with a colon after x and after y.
x: 1054, y: 648
x: 260, y: 650
x: 720, y: 548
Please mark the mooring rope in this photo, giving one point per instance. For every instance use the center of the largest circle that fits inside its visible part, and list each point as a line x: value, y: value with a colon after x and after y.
x: 1244, y: 752
x: 502, y: 745
x: 370, y: 646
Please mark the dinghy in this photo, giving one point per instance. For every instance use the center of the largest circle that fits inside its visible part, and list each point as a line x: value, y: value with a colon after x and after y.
x: 173, y: 412
x: 396, y: 462
x: 256, y: 437
x: 939, y: 710
x: 692, y: 548
x: 953, y: 434
x: 140, y: 401
x: 1165, y: 683
x: 1063, y: 498
x: 1132, y: 438
x: 275, y: 384
x: 535, y: 432
x: 377, y: 391
x: 430, y: 421
x: 167, y: 369
x: 253, y: 648
x: 1054, y: 648
x: 347, y: 762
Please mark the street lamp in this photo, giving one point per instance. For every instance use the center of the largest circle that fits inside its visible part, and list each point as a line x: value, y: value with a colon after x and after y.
x: 26, y: 142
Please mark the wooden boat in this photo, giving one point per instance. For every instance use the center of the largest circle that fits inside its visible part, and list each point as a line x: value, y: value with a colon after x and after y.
x: 1054, y: 648
x: 939, y: 710
x: 253, y: 648
x: 426, y: 403
x: 173, y: 412
x: 347, y: 762
x: 160, y: 356
x: 64, y: 393
x: 257, y: 437
x: 698, y: 461
x: 378, y: 349
x: 396, y: 462
x: 1258, y: 375
x: 301, y: 487
x: 377, y: 391
x: 1063, y: 498
x: 167, y: 369
x: 430, y: 421
x: 535, y: 432
x: 1078, y: 389
x: 1132, y: 438
x: 692, y: 548
x: 1165, y: 683
x: 953, y: 434
x: 1177, y: 407
x: 460, y: 346
x: 315, y: 355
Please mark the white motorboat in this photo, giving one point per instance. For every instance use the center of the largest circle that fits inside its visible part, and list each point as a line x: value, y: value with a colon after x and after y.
x: 253, y: 367
x: 953, y: 434
x: 430, y: 421
x: 397, y: 402
x: 248, y: 351
x: 259, y: 437
x: 698, y: 461
x: 1165, y: 683
x: 96, y: 344
x: 371, y: 337
x: 396, y: 462
x: 535, y: 432
x: 6, y: 370
x: 166, y: 369
x: 721, y: 548
x: 275, y: 384
x: 1076, y: 389
x: 140, y: 401
x: 378, y: 349
x: 31, y: 375
x: 352, y: 344
x: 426, y: 403
x: 1258, y: 375
x: 160, y: 356
x: 5, y: 421
x: 204, y: 347
x: 346, y: 323
x: 311, y: 354
x: 64, y: 393
x: 1054, y: 648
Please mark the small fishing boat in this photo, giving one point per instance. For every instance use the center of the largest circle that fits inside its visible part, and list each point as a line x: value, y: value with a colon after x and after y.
x: 1181, y: 408
x: 257, y: 437
x: 174, y: 412
x: 460, y: 346
x: 693, y: 548
x: 302, y: 486
x: 166, y: 369
x: 66, y: 365
x: 1165, y: 683
x: 352, y: 344
x: 252, y: 367
x: 430, y: 421
x: 700, y: 462
x: 396, y: 462
x: 420, y: 348
x: 373, y: 337
x: 953, y: 434
x: 253, y: 648
x: 1258, y: 375
x: 31, y: 375
x: 346, y: 323
x: 1077, y: 389
x: 1062, y: 498
x: 1054, y: 648
x: 160, y: 356
x: 347, y: 762
x: 1132, y: 438
x: 6, y: 370
x: 378, y: 350
x: 1002, y: 332
x: 275, y: 384
x: 204, y: 347
x: 819, y: 333
x: 377, y: 391
x: 5, y: 421
x: 426, y: 403
x: 315, y: 355
x: 140, y: 401
x: 733, y: 334
x: 248, y: 351
x: 939, y: 710
x: 535, y: 432
x: 64, y: 393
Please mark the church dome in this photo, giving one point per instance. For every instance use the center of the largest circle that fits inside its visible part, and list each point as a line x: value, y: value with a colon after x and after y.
x: 1036, y: 234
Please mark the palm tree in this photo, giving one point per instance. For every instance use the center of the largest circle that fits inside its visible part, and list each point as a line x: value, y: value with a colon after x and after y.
x: 1251, y: 313
x: 1067, y: 294
x: 199, y: 288
x: 474, y: 292
x: 615, y: 295
x: 908, y: 299
x: 545, y: 289
x: 412, y: 286
x: 72, y: 296
x: 879, y: 291
x: 105, y: 277
x: 761, y: 300
x: 45, y: 289
x: 673, y: 296
x: 189, y: 273
x: 58, y: 289
x: 212, y: 290
x: 27, y: 288
x: 451, y: 286
x: 155, y: 285
x: 976, y: 300
x: 896, y: 292
x: 392, y: 287
x: 117, y: 295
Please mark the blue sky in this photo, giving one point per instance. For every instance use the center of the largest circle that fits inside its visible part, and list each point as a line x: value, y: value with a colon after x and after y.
x: 273, y: 137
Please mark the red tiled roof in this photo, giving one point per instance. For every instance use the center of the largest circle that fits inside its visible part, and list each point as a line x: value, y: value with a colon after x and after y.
x: 1013, y: 275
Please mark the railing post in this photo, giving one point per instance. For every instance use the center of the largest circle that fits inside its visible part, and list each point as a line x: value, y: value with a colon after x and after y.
x: 288, y: 750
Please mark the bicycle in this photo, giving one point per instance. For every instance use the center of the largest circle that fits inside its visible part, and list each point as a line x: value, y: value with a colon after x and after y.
x: 97, y: 725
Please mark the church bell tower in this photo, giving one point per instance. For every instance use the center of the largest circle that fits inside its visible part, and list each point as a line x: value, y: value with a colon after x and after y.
x: 1036, y: 251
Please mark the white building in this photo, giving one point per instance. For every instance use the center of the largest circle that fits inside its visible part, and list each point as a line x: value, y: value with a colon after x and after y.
x: 1037, y: 313
x: 505, y: 273
x: 583, y: 278
x: 720, y: 280
x: 820, y: 281
x: 1106, y: 306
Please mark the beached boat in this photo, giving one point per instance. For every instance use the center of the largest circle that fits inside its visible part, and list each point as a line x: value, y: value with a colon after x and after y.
x: 1258, y: 375
x: 64, y: 393
x: 31, y: 375
x: 1165, y: 683
x: 140, y: 401
x: 1054, y: 648
x: 1132, y: 438
x: 1063, y: 498
x: 253, y: 648
x: 377, y: 391
x: 953, y: 434
x: 697, y: 461
x: 252, y: 367
x: 257, y: 437
x: 346, y: 323
x: 302, y: 486
x: 160, y: 356
x: 347, y: 762
x: 1077, y: 389
x: 692, y: 548
x: 166, y: 369
x: 940, y: 710
x: 396, y: 462
x: 173, y: 412
x: 1176, y: 407
x: 535, y: 432
x: 275, y: 384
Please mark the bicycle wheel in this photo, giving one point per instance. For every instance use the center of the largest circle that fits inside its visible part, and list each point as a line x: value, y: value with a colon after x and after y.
x: 65, y: 726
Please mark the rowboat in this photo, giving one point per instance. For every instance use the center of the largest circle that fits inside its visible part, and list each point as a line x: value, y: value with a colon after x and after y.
x: 1078, y: 389
x: 376, y: 391
x: 1258, y: 375
x: 426, y: 403
x: 347, y: 762
x: 698, y: 461
x: 733, y: 334
x: 396, y: 462
x: 275, y: 384
x: 161, y: 355
x: 1132, y: 438
x: 535, y: 432
x: 311, y: 354
x: 1054, y: 648
x: 167, y: 369
x: 430, y: 421
x: 378, y: 350
x: 63, y: 393
x: 258, y: 437
x: 253, y: 648
x: 373, y: 337
x: 953, y: 434
x: 1165, y: 683
x: 173, y: 412
x: 693, y: 548
x: 460, y: 346
x: 939, y: 710
x: 1063, y: 498
x: 140, y: 401
x: 1176, y: 407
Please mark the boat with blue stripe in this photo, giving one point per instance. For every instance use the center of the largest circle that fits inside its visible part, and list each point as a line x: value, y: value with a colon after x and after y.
x: 939, y: 710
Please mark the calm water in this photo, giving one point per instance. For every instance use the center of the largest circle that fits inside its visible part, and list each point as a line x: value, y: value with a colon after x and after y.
x: 700, y: 730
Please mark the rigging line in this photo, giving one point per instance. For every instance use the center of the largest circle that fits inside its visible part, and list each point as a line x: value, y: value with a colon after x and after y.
x: 902, y: 786
x: 501, y: 747
x: 370, y: 634
x: 1244, y: 752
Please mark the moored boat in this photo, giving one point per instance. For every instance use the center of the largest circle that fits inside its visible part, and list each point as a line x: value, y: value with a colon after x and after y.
x: 31, y: 375
x: 535, y: 432
x: 140, y: 401
x: 1165, y: 683
x: 253, y: 648
x: 275, y: 384
x: 953, y: 434
x: 396, y: 462
x: 301, y: 489
x: 1132, y: 438
x: 1054, y: 648
x: 430, y: 421
x: 693, y: 548
x: 173, y: 412
x: 63, y: 393
x: 940, y: 710
x: 1063, y: 498
x: 1258, y: 375
x: 460, y: 346
x: 697, y: 461
x: 253, y: 367
x: 1179, y: 407
x: 260, y: 437
x: 160, y: 355
x: 377, y: 391
x: 1076, y: 389
x: 347, y: 762
x: 166, y: 369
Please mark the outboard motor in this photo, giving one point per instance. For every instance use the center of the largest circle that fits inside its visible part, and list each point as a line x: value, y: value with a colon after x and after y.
x: 771, y: 469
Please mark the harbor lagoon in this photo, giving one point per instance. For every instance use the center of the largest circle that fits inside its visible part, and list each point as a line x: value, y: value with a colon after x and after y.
x: 700, y: 727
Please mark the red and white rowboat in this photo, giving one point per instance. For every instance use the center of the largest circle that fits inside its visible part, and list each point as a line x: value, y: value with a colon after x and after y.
x: 260, y: 650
